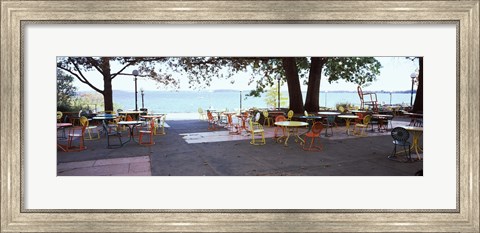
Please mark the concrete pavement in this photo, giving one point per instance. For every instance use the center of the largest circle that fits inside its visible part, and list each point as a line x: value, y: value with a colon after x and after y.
x: 175, y: 154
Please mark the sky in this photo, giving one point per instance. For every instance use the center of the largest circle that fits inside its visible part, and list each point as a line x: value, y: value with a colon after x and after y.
x: 394, y: 76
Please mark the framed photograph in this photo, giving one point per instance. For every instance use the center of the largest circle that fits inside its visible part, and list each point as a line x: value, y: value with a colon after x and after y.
x: 36, y: 35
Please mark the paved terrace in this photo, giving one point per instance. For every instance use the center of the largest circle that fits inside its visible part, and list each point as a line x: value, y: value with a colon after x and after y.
x: 189, y: 149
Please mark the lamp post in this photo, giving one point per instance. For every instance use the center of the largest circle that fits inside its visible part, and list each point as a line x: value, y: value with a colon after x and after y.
x: 412, y: 76
x: 135, y: 73
x: 390, y: 98
x: 240, y: 102
x: 326, y: 92
x: 141, y: 91
x: 278, y: 91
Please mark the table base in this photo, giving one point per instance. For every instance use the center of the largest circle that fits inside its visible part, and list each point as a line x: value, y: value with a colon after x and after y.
x: 67, y: 148
x: 294, y: 133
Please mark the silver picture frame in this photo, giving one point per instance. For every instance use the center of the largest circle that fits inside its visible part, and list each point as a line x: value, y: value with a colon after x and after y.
x: 15, y: 218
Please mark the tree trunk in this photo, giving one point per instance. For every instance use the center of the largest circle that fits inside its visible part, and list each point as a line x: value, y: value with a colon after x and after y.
x: 107, y: 84
x: 314, y: 78
x: 293, y: 83
x: 418, y: 104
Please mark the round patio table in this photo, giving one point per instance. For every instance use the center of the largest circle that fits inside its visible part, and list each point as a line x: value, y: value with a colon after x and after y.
x: 347, y: 119
x: 327, y: 114
x: 311, y: 120
x: 104, y: 119
x: 62, y: 126
x: 416, y: 133
x: 413, y: 117
x: 132, y: 113
x: 131, y: 126
x: 229, y: 116
x: 292, y: 128
x: 243, y: 124
x: 356, y: 111
x: 156, y: 116
x: 381, y: 118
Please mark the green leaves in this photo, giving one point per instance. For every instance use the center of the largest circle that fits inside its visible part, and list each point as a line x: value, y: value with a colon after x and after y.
x: 65, y: 90
x: 359, y: 70
x: 263, y: 70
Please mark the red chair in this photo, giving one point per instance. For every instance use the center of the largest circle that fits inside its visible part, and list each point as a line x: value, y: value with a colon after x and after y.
x: 314, y: 133
x: 150, y: 130
x: 74, y: 133
x: 233, y: 129
x: 279, y: 118
x: 372, y: 101
x: 359, y: 120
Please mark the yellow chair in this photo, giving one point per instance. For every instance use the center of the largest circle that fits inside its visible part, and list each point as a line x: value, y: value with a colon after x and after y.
x: 84, y: 122
x: 266, y: 118
x: 59, y: 116
x: 160, y: 124
x: 256, y: 128
x: 341, y: 109
x: 363, y: 127
x: 201, y: 114
x: 290, y: 115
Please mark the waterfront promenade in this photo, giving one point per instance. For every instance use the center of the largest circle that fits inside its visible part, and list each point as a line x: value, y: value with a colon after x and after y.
x: 184, y: 151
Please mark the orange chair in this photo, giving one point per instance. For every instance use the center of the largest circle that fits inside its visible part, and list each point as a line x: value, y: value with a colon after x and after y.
x: 372, y: 101
x: 74, y: 133
x: 314, y: 133
x: 242, y: 122
x: 279, y: 118
x: 211, y: 121
x: 148, y: 131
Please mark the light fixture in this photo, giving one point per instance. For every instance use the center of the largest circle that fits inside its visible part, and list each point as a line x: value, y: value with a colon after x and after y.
x: 135, y: 74
x: 412, y: 76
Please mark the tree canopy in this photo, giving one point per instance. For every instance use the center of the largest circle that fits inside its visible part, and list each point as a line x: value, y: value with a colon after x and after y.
x: 263, y: 71
x: 79, y: 66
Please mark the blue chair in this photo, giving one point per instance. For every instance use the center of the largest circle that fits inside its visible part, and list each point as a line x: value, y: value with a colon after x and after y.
x: 400, y: 138
x: 329, y: 122
x: 112, y: 133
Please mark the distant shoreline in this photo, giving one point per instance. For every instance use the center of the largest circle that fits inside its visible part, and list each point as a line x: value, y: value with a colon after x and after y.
x: 246, y: 91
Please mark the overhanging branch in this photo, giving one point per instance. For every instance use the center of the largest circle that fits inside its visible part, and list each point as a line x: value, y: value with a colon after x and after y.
x: 81, y: 78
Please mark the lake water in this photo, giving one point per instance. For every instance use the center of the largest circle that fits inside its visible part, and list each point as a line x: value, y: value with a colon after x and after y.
x: 190, y: 101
